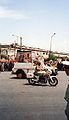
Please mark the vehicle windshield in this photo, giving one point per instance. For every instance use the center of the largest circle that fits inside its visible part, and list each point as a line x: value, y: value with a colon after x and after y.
x: 24, y: 56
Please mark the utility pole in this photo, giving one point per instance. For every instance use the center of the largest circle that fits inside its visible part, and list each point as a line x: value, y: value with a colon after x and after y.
x: 51, y: 44
x: 20, y: 42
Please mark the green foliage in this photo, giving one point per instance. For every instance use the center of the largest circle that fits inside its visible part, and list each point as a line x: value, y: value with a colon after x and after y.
x: 52, y: 57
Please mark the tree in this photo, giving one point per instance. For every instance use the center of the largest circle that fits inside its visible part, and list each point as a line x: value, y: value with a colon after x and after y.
x: 52, y: 57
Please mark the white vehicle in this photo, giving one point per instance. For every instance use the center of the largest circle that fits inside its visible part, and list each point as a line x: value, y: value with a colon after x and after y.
x: 66, y: 67
x: 24, y: 64
x: 21, y: 69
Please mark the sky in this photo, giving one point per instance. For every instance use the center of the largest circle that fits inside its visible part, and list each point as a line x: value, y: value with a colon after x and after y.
x: 35, y: 21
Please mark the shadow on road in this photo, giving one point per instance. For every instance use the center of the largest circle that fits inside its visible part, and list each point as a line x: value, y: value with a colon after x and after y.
x: 43, y: 85
x: 27, y: 84
x: 15, y: 78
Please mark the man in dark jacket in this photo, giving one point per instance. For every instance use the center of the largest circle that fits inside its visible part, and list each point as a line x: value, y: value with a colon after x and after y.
x: 67, y: 100
x: 67, y: 110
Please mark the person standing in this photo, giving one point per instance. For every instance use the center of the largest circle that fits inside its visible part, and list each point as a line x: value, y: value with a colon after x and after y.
x: 67, y: 100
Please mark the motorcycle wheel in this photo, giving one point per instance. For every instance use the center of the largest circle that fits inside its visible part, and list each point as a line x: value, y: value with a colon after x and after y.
x: 53, y: 81
x: 31, y: 81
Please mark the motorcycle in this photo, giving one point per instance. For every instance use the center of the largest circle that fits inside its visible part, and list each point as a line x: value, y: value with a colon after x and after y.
x: 42, y: 79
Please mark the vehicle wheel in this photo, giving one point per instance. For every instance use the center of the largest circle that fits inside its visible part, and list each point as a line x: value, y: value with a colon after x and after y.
x: 53, y: 81
x: 56, y: 71
x: 19, y: 75
x: 31, y: 81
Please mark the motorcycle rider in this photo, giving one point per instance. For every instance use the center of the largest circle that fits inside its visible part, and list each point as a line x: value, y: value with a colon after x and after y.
x: 46, y: 67
x: 39, y: 70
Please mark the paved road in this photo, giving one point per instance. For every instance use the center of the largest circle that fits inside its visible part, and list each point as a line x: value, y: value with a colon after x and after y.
x: 21, y: 101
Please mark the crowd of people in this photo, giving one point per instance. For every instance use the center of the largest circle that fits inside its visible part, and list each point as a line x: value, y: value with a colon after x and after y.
x: 6, y: 66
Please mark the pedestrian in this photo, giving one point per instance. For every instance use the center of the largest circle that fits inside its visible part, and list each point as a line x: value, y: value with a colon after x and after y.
x: 67, y: 100
x: 0, y: 66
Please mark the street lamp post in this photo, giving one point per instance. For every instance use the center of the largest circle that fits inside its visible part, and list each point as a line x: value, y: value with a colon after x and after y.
x: 16, y: 41
x: 51, y: 43
x: 15, y: 45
